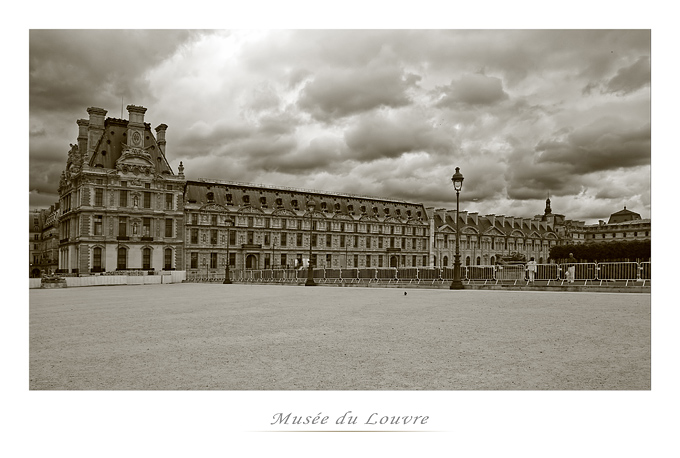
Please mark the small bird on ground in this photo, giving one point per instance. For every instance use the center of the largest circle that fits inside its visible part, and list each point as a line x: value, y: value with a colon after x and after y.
x: 405, y: 293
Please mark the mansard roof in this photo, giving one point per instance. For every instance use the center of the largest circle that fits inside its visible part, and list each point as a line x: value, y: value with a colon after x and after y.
x: 275, y: 199
x: 112, y: 145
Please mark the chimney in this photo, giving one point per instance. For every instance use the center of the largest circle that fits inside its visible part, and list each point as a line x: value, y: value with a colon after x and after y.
x: 136, y: 116
x: 95, y: 129
x: 160, y: 137
x: 82, y: 138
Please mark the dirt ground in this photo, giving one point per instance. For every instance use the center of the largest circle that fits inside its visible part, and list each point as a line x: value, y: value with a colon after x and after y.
x: 246, y: 337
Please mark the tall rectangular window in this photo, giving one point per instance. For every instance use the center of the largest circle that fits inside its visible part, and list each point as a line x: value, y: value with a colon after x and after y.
x: 194, y: 235
x: 98, y: 197
x: 147, y: 200
x: 232, y: 238
x: 97, y: 259
x: 342, y: 240
x: 328, y: 240
x: 168, y: 227
x: 213, y: 260
x: 194, y: 218
x: 368, y: 242
x: 284, y: 239
x: 368, y: 261
x: 299, y: 239
x: 194, y: 260
x: 123, y: 197
x: 314, y: 240
x: 146, y: 227
x: 232, y: 259
x: 169, y: 201
x: 284, y: 260
x: 213, y: 236
x: 98, y: 224
x: 122, y: 226
x: 146, y: 259
x: 251, y: 237
x: 168, y: 259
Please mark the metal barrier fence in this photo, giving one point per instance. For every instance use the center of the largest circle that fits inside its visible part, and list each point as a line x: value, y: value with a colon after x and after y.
x: 628, y: 272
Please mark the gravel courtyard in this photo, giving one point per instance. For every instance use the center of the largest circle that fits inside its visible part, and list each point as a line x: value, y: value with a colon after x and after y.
x: 244, y: 337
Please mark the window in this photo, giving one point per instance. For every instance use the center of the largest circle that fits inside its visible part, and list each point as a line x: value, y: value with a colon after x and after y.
x: 194, y: 235
x: 232, y: 238
x: 368, y: 242
x: 168, y: 259
x: 342, y: 240
x: 356, y: 260
x: 213, y: 260
x: 380, y: 242
x: 123, y: 197
x: 97, y: 259
x: 356, y: 241
x: 147, y: 185
x: 250, y: 221
x: 283, y: 238
x: 194, y: 218
x: 194, y: 260
x: 146, y: 227
x: 328, y: 240
x: 232, y: 259
x: 146, y: 258
x: 251, y: 237
x: 413, y: 246
x: 299, y: 239
x: 314, y: 240
x: 213, y: 236
x: 284, y: 260
x: 147, y: 199
x: 267, y: 236
x: 169, y: 201
x: 98, y: 197
x: 97, y: 225
x: 122, y: 226
x: 168, y: 227
x: 122, y: 258
x: 368, y: 261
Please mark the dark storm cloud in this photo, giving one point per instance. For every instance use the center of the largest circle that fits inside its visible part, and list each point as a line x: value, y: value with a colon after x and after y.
x: 72, y: 69
x: 606, y: 144
x: 631, y: 78
x: 376, y: 136
x: 379, y: 112
x: 473, y: 90
x: 341, y: 92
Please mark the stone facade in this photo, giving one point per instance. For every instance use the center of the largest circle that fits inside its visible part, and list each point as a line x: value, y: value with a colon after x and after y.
x: 121, y: 202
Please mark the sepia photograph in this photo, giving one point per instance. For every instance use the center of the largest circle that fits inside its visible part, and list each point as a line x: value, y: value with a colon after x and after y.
x: 340, y: 230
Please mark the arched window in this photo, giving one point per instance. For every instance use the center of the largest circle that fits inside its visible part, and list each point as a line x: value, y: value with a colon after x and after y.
x: 122, y: 258
x: 168, y: 259
x: 146, y: 258
x: 97, y: 259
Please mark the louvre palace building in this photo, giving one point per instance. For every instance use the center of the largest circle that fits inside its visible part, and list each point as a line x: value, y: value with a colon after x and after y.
x: 122, y: 207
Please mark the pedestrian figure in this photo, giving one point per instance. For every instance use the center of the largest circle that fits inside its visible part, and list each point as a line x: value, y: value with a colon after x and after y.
x: 531, y: 268
x: 571, y: 268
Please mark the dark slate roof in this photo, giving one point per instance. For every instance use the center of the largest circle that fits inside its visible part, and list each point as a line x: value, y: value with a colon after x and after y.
x: 110, y: 146
x: 270, y: 198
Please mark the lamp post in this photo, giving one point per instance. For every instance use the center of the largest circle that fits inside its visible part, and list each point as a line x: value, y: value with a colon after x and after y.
x: 457, y: 180
x: 227, y: 280
x: 311, y: 205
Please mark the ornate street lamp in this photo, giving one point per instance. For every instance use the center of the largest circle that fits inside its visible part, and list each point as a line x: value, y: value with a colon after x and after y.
x: 457, y: 180
x: 311, y: 206
x: 227, y: 280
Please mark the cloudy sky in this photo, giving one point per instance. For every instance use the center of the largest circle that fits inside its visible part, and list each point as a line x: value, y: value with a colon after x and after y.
x: 387, y: 113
